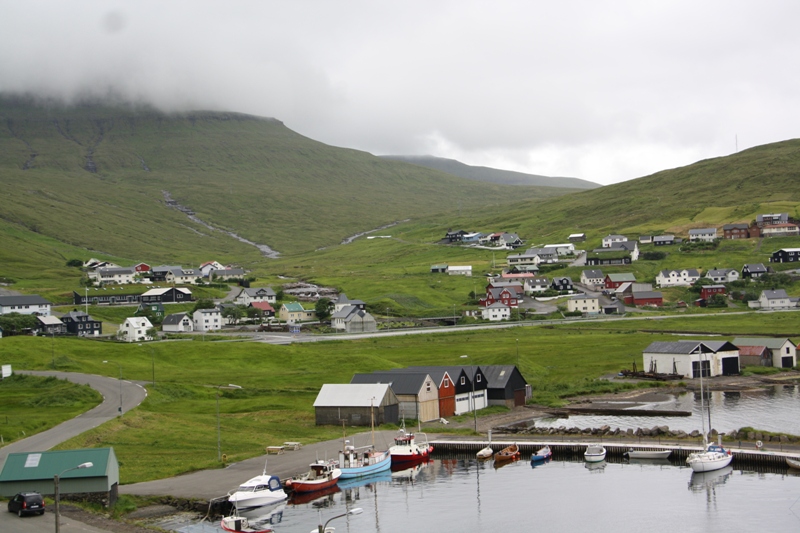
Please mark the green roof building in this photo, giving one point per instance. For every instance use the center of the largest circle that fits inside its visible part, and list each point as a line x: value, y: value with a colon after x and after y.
x: 35, y: 471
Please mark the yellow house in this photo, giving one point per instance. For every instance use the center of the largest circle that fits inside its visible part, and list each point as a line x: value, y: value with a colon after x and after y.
x: 294, y: 312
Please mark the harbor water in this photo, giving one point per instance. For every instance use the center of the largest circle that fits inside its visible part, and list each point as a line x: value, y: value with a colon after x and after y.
x: 775, y: 408
x: 462, y: 494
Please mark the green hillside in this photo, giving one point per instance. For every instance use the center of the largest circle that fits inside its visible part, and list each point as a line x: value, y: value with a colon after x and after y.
x: 491, y: 175
x: 97, y: 178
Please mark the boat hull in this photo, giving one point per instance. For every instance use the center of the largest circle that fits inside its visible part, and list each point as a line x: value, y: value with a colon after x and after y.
x: 794, y: 463
x: 594, y: 454
x: 542, y: 455
x: 509, y: 453
x: 411, y: 457
x: 236, y: 524
x: 315, y: 485
x: 705, y: 463
x: 648, y: 454
x: 384, y: 463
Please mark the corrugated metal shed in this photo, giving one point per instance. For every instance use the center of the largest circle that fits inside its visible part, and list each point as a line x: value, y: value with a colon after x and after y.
x: 356, y: 404
x: 35, y: 471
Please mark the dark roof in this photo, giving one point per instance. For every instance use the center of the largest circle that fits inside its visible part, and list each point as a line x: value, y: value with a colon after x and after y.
x: 23, y: 300
x: 498, y: 375
x: 646, y: 294
x: 689, y: 347
x: 173, y: 319
x: 407, y: 382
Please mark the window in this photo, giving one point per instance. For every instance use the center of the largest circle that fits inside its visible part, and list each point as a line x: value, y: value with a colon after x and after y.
x: 479, y: 378
x: 463, y: 380
x: 446, y: 383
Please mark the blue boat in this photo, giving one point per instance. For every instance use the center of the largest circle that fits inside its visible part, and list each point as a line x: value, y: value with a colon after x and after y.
x: 354, y: 463
x: 544, y: 454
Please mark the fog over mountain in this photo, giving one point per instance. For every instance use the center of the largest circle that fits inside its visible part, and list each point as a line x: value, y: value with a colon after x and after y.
x: 602, y: 91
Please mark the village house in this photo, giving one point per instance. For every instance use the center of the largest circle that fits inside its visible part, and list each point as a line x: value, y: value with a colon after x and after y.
x: 687, y: 358
x: 360, y: 404
x: 226, y: 274
x: 789, y: 229
x: 180, y: 276
x: 645, y: 298
x: 496, y: 312
x: 265, y: 307
x: 167, y: 295
x: 677, y: 278
x: 256, y: 294
x: 141, y: 268
x: 753, y: 270
x: 736, y: 231
x: 351, y: 316
x: 663, y: 240
x: 469, y: 238
x: 25, y: 305
x: 80, y: 324
x: 584, y: 303
x: 785, y: 255
x: 534, y: 285
x: 51, y: 325
x: 782, y: 351
x: 113, y: 276
x: 177, y: 323
x: 592, y: 278
x: 454, y: 270
x: 562, y: 283
x: 613, y: 281
x: 561, y: 249
x: 532, y: 258
x: 619, y: 253
x: 506, y: 295
x: 438, y: 269
x: 292, y: 312
x: 207, y: 319
x: 609, y: 240
x: 771, y: 219
x: 455, y: 236
x: 645, y: 239
x: 703, y: 235
x: 576, y: 237
x: 774, y: 299
x: 206, y: 268
x: 417, y: 394
x: 723, y: 275
x: 135, y: 329
x: 707, y: 291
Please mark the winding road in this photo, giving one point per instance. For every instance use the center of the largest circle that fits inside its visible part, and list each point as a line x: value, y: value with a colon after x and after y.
x: 115, y: 393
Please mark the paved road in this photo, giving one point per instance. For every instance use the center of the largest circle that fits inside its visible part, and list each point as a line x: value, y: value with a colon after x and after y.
x: 211, y: 484
x: 112, y: 389
x: 11, y: 523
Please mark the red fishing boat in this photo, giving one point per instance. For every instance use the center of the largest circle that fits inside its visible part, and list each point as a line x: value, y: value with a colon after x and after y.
x: 407, y: 450
x: 321, y: 475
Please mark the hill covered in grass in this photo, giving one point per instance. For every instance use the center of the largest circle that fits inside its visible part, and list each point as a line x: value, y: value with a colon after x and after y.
x: 491, y: 175
x: 120, y: 180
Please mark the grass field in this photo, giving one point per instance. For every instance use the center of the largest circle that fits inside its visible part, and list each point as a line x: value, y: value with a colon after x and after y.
x: 174, y: 430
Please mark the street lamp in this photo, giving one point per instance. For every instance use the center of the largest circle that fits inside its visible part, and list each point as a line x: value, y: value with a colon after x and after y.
x: 120, y: 384
x: 55, y: 482
x: 219, y: 432
x: 323, y: 529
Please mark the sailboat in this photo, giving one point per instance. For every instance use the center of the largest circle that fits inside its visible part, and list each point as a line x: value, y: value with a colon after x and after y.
x: 486, y: 453
x: 356, y: 462
x: 714, y: 456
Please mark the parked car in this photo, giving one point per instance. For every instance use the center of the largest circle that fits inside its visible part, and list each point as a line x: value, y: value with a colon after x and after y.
x: 26, y: 503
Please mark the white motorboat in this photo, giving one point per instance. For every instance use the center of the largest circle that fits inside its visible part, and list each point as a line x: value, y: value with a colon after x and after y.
x: 258, y: 491
x: 648, y: 454
x: 594, y: 453
x: 793, y: 463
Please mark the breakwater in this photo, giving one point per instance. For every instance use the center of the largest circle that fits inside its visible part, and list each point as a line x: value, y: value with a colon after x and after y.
x: 566, y: 450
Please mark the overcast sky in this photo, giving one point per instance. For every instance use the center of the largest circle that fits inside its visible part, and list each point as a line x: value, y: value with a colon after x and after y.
x: 601, y: 90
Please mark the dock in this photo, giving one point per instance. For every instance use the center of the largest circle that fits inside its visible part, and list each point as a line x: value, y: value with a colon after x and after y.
x: 758, y: 460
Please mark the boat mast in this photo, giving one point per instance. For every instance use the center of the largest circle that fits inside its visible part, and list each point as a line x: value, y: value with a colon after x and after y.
x: 702, y: 406
x: 372, y: 419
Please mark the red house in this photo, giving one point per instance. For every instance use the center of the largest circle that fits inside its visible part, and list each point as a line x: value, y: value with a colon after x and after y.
x: 500, y: 294
x: 613, y: 281
x: 142, y: 267
x: 708, y: 290
x: 645, y: 298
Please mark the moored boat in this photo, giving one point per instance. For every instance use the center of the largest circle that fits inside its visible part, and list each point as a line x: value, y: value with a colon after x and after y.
x: 509, y: 453
x: 240, y: 524
x: 321, y: 475
x: 407, y: 450
x: 487, y: 452
x: 258, y: 491
x: 594, y: 453
x: 354, y: 463
x: 543, y: 454
x: 714, y: 456
x: 794, y: 463
x: 648, y: 454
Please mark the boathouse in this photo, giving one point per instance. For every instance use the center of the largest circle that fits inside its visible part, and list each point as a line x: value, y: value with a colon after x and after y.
x: 356, y: 405
x: 716, y: 358
x: 782, y: 351
x: 416, y: 393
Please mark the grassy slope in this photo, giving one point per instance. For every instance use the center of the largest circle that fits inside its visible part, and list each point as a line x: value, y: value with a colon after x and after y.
x: 250, y: 175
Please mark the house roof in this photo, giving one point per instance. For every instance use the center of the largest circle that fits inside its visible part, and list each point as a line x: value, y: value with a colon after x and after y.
x: 755, y: 267
x: 789, y: 250
x: 49, y: 320
x: 583, y: 296
x: 159, y: 292
x: 613, y: 236
x: 700, y: 231
x: 772, y: 343
x: 622, y: 277
x: 293, y: 307
x: 663, y: 238
x: 689, y: 347
x: 23, y: 300
x: 734, y: 226
x: 752, y: 350
x: 593, y: 274
x: 138, y: 322
x: 254, y: 291
x: 173, y: 319
x: 264, y: 306
x: 75, y: 315
x: 351, y: 395
x: 778, y: 294
x: 497, y: 305
x: 647, y: 295
x: 345, y: 312
x: 46, y: 465
x: 498, y: 375
x: 410, y: 382
x: 719, y: 272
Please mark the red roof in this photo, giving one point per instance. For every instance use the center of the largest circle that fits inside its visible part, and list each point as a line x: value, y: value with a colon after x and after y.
x: 264, y: 306
x: 752, y: 350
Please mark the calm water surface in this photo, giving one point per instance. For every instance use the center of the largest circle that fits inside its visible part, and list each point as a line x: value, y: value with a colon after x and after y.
x: 776, y: 408
x: 457, y: 495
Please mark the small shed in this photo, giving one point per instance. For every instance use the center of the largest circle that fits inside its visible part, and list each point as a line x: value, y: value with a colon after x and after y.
x: 416, y: 392
x: 356, y: 404
x: 35, y: 471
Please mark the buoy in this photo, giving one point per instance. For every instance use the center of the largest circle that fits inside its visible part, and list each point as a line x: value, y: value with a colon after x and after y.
x: 759, y: 444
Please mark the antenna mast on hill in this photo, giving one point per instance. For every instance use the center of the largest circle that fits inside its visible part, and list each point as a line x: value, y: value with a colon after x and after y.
x: 737, y: 142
